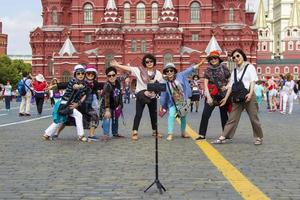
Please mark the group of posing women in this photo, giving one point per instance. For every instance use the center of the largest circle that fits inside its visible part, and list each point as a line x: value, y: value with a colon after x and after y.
x: 81, y: 99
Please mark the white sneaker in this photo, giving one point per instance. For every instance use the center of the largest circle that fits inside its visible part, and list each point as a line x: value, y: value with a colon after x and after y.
x: 290, y: 112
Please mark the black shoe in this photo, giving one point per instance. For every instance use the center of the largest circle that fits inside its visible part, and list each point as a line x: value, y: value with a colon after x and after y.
x: 200, y: 137
x: 27, y: 114
x: 21, y: 114
x: 118, y: 136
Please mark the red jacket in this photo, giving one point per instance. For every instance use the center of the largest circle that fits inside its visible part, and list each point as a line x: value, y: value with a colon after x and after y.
x: 39, y: 86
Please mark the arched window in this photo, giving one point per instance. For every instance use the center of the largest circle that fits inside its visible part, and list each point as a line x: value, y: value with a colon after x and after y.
x: 140, y: 13
x: 133, y: 45
x: 50, y: 66
x: 195, y: 12
x: 66, y: 76
x: 126, y: 13
x: 168, y: 58
x: 108, y: 59
x: 288, y: 33
x: 290, y: 45
x: 88, y: 14
x: 277, y: 70
x: 298, y: 45
x: 268, y: 70
x: 54, y: 17
x: 286, y: 69
x: 143, y: 46
x: 295, y: 70
x: 231, y: 15
x: 258, y: 70
x: 154, y: 13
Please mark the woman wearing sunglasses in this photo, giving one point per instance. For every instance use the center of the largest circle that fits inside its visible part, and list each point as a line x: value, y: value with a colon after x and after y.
x: 178, y: 92
x: 144, y: 75
x: 245, y: 73
x: 216, y: 75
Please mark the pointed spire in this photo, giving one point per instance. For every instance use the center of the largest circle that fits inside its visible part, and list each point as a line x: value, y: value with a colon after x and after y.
x: 111, y: 19
x: 67, y: 48
x: 295, y: 15
x: 168, y: 4
x: 260, y: 21
x: 111, y: 5
x: 213, y: 46
x: 168, y: 16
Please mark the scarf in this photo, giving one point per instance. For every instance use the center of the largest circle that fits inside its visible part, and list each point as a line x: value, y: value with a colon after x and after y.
x: 145, y: 76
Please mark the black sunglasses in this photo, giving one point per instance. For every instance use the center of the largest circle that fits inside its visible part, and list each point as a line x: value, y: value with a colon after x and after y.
x: 169, y: 70
x: 237, y: 56
x: 79, y: 73
x: 111, y: 75
x: 149, y: 61
x: 89, y: 73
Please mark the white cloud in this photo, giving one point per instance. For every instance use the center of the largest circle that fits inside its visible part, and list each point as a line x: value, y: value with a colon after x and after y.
x: 18, y: 29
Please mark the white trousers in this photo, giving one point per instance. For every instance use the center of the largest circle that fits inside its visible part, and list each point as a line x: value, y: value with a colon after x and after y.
x: 50, y: 131
x: 287, y: 99
x: 25, y: 103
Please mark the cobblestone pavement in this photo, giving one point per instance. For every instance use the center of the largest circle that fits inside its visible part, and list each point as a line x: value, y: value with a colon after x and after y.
x: 122, y: 169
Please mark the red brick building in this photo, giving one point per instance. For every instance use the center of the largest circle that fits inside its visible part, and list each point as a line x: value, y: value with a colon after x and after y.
x: 90, y: 31
x: 3, y: 42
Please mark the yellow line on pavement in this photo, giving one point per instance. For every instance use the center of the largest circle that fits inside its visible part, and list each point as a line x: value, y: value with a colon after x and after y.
x: 240, y: 182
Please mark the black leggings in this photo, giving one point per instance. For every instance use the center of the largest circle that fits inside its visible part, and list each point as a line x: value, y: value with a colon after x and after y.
x: 139, y: 106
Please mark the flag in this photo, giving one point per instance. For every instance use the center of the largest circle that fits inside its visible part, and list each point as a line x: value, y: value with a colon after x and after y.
x: 185, y: 49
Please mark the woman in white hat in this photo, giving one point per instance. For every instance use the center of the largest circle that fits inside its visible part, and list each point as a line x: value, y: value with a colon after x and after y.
x: 39, y: 87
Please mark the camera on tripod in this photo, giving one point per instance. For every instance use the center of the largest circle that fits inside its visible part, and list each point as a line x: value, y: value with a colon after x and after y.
x: 156, y: 87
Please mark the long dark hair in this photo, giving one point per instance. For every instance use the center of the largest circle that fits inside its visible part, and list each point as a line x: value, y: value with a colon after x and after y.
x: 240, y: 51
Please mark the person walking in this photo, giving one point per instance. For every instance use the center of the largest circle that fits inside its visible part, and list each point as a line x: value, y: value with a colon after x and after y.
x: 288, y: 94
x: 177, y: 94
x: 216, y: 77
x: 25, y: 102
x: 259, y: 92
x: 146, y: 74
x: 195, y: 98
x: 39, y: 87
x: 7, y: 93
x: 241, y: 87
x: 54, y: 94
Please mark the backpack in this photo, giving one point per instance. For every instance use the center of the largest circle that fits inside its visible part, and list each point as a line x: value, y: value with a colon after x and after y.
x: 295, y: 89
x: 239, y: 91
x: 21, y: 87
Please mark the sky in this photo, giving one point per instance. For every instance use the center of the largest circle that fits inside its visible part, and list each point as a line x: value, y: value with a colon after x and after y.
x: 19, y: 17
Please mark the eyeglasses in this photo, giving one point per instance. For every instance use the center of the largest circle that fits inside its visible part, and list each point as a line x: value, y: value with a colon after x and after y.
x: 169, y: 70
x: 79, y: 73
x: 236, y: 56
x: 149, y: 61
x: 111, y: 75
x: 90, y: 73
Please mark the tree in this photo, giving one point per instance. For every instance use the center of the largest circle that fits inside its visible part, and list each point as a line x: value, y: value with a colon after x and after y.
x: 12, y: 70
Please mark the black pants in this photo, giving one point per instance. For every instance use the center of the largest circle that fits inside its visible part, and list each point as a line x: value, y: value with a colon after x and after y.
x: 7, y: 102
x: 39, y: 104
x: 139, y: 106
x: 206, y: 115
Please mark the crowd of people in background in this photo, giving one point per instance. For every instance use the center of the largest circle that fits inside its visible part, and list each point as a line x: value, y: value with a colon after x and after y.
x: 83, y: 101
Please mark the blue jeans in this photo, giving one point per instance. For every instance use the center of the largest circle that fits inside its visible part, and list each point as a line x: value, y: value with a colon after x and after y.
x: 171, y: 120
x: 114, y: 124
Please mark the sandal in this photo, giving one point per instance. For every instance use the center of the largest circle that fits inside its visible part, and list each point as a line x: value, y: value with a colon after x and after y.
x: 185, y: 135
x: 158, y: 135
x: 83, y: 139
x: 258, y: 141
x: 47, y: 137
x: 219, y: 141
x: 134, y: 136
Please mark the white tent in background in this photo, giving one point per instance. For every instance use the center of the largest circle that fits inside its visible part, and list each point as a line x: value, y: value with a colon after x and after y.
x: 213, y: 46
x: 67, y: 48
x: 185, y: 49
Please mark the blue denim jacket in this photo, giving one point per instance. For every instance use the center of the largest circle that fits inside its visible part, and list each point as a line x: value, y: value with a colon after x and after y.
x: 182, y: 78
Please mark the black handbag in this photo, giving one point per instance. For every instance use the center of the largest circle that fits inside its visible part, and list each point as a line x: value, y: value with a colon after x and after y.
x: 239, y: 91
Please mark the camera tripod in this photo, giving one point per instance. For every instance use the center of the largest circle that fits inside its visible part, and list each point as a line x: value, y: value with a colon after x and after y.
x: 156, y: 181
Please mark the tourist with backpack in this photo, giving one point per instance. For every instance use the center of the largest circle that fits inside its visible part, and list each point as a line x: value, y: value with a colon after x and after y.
x: 25, y: 91
x: 241, y: 88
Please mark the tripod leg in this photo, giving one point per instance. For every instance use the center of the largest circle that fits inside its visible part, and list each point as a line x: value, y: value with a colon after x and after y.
x: 149, y: 187
x: 160, y: 186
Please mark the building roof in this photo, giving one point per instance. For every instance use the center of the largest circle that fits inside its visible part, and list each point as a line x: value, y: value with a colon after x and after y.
x: 260, y: 21
x: 168, y: 4
x: 111, y: 4
x: 67, y: 48
x: 278, y: 62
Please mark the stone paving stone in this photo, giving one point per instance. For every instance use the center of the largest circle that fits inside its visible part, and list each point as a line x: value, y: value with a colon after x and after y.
x: 122, y: 169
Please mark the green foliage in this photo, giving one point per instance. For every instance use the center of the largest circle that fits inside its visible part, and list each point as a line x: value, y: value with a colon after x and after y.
x: 12, y: 70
